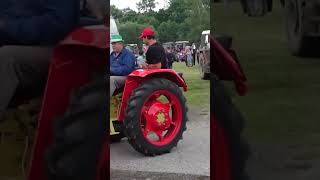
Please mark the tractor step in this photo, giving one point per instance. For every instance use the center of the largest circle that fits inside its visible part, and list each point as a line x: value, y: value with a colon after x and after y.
x: 112, y: 128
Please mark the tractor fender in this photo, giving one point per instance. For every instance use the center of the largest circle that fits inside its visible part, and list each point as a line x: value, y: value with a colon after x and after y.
x: 75, y: 60
x: 139, y: 76
x: 227, y: 68
x: 163, y: 73
x: 92, y: 36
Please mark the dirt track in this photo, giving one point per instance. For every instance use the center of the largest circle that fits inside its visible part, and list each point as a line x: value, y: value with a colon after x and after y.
x: 190, y: 160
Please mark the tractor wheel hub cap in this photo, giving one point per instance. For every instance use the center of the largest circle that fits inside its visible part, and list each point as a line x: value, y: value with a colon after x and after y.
x: 158, y: 116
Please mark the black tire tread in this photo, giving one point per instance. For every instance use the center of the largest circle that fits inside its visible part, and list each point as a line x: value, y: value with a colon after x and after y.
x: 233, y: 123
x: 130, y: 126
x: 79, y: 134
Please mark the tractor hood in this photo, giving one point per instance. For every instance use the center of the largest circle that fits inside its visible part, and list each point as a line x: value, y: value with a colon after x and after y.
x: 161, y: 73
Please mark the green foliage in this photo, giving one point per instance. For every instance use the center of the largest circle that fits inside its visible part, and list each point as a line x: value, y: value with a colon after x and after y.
x: 146, y: 5
x: 128, y: 15
x: 201, y: 18
x: 166, y: 32
x: 182, y: 20
x: 116, y: 13
x: 130, y: 32
x: 148, y: 20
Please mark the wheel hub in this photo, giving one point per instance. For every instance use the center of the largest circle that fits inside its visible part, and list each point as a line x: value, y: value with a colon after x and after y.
x: 158, y: 117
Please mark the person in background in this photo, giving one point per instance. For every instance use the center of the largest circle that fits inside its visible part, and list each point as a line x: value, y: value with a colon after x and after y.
x: 140, y: 59
x: 155, y: 55
x: 183, y: 56
x: 188, y: 56
x: 170, y: 57
x: 194, y: 51
x: 29, y: 29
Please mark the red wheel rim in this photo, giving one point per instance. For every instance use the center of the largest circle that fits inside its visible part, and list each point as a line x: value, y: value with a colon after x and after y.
x: 160, y: 122
x: 220, y: 152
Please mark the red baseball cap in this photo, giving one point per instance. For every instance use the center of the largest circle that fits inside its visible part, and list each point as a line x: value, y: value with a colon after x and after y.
x: 147, y: 32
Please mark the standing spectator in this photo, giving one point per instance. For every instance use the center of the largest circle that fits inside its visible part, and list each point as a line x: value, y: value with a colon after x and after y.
x: 194, y: 51
x: 188, y: 56
x: 170, y: 57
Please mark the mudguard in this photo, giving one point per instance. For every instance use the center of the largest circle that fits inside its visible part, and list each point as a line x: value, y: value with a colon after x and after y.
x: 226, y: 67
x: 220, y: 156
x: 229, y: 149
x: 139, y: 76
x: 74, y: 62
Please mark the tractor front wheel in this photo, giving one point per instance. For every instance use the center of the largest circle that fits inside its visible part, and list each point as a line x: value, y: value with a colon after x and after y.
x: 156, y: 117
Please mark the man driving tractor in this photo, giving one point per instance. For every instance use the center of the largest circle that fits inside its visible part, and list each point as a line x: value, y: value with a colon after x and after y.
x: 123, y: 61
x: 28, y: 32
x: 121, y: 65
x: 24, y: 65
x: 155, y: 55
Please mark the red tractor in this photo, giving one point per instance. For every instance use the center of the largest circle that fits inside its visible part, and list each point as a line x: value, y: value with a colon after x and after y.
x: 229, y: 149
x: 150, y: 111
x: 72, y: 133
x: 71, y: 137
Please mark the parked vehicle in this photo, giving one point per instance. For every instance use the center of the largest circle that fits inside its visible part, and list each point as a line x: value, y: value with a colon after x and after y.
x: 204, y: 55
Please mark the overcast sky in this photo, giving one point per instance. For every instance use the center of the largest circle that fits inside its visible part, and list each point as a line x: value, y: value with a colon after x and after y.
x: 121, y: 4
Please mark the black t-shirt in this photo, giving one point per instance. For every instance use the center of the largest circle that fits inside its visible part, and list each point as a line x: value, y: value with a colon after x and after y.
x: 156, y: 54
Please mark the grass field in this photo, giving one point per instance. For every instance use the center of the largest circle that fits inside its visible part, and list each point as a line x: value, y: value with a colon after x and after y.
x: 284, y: 91
x: 198, y: 94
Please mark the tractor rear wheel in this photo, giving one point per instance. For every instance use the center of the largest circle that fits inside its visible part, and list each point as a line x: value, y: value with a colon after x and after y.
x: 156, y: 117
x: 79, y: 134
x: 230, y: 148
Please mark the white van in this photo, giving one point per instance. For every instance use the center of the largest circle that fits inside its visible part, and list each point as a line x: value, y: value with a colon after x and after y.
x: 113, y: 30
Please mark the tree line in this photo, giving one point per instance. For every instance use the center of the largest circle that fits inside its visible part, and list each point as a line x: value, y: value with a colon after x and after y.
x: 181, y: 20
